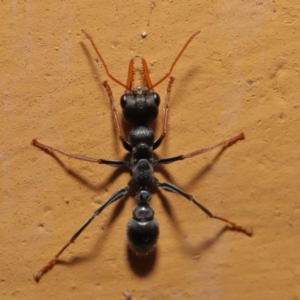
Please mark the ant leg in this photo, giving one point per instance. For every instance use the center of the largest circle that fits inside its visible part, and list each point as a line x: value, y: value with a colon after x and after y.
x: 126, y: 145
x: 113, y: 163
x: 116, y: 196
x: 224, y: 144
x: 172, y: 188
x: 102, y: 60
x: 165, y: 122
x: 175, y: 61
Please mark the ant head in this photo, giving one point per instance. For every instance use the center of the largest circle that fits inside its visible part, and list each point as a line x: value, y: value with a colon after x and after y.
x: 140, y: 106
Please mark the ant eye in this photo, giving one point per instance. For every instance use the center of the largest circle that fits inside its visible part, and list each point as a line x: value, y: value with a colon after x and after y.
x: 156, y: 99
x: 123, y: 101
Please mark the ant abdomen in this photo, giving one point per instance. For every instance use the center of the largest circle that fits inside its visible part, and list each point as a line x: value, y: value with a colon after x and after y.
x: 142, y: 229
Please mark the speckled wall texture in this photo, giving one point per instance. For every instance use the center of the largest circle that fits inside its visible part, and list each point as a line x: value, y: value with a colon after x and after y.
x: 240, y: 74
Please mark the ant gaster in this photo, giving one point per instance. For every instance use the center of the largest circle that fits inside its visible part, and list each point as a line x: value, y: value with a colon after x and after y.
x: 140, y: 107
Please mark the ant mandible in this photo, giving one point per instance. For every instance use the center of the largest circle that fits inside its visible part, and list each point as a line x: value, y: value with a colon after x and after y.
x: 140, y: 107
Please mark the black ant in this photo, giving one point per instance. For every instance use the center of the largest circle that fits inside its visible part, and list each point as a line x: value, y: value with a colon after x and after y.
x: 140, y: 107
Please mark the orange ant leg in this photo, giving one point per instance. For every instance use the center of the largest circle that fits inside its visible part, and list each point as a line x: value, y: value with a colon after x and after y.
x: 103, y: 62
x: 113, y: 163
x: 224, y: 144
x: 145, y: 67
x: 52, y: 150
x: 116, y: 196
x: 175, y: 61
x: 166, y: 114
x: 114, y: 111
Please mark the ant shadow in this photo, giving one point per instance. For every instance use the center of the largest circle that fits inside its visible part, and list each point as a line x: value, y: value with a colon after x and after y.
x: 141, y: 265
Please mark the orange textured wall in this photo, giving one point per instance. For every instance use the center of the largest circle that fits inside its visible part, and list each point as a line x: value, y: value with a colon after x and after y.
x: 240, y: 74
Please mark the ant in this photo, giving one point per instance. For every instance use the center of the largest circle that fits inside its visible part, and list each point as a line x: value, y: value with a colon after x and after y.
x: 140, y: 107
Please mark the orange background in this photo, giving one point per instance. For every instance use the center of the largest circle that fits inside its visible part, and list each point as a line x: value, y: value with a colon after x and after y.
x: 240, y: 74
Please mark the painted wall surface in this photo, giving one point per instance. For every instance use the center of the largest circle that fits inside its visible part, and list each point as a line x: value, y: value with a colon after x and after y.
x: 241, y: 74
